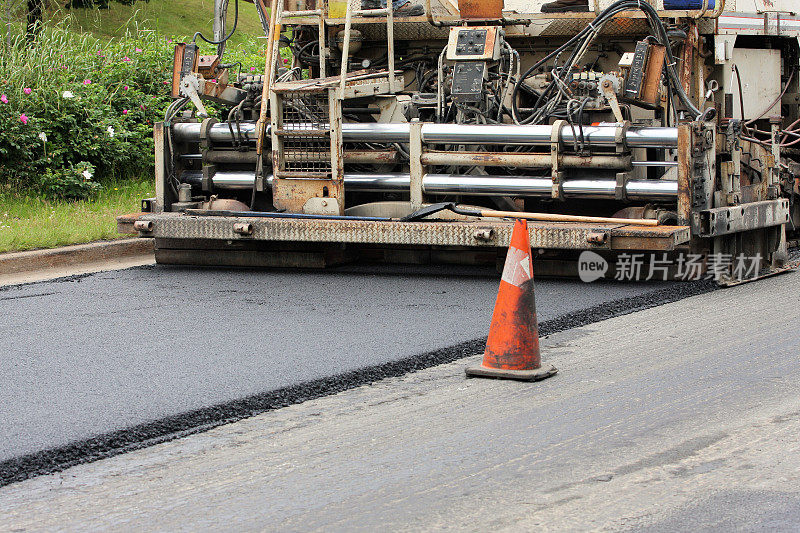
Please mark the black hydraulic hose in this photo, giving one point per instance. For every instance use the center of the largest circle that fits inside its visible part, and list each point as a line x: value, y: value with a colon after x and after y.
x: 623, y: 5
x: 557, y: 51
x: 224, y: 39
x: 657, y: 24
x: 741, y: 94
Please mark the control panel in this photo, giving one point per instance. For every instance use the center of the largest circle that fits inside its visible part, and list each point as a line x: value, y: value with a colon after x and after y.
x: 468, y: 79
x: 471, y: 43
x: 643, y: 70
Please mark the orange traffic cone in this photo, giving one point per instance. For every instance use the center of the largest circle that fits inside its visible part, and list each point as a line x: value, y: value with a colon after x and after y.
x: 512, y: 349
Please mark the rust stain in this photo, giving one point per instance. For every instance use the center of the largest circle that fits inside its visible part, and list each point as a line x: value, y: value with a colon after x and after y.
x: 481, y: 9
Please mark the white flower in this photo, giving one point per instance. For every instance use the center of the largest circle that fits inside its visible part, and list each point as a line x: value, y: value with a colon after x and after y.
x: 110, y: 131
x: 43, y: 137
x: 67, y: 94
x: 87, y: 175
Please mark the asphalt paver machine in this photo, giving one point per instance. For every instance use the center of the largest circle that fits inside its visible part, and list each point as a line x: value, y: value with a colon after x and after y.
x: 372, y: 136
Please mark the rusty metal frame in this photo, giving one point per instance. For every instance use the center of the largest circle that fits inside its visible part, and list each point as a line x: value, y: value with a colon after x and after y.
x: 525, y: 160
x: 684, y: 173
x: 337, y: 147
x: 744, y: 217
x: 556, y: 154
x: 416, y: 169
x: 162, y: 190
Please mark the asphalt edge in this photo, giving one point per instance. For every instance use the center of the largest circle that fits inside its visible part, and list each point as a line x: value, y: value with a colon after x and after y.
x: 166, y: 429
x: 74, y: 255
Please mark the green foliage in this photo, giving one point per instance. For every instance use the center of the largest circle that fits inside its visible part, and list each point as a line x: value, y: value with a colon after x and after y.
x: 72, y: 102
x: 168, y: 17
x: 71, y: 99
x: 72, y: 183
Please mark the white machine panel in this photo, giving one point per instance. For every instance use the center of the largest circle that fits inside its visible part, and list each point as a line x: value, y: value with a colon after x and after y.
x: 761, y: 81
x: 474, y: 43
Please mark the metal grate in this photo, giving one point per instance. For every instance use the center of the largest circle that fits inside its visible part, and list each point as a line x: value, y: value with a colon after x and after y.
x: 305, y: 132
x: 305, y: 111
x: 310, y: 154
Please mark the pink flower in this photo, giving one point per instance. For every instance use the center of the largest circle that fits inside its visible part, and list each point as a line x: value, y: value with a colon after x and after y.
x: 85, y: 82
x: 285, y: 61
x: 27, y: 90
x: 166, y: 82
x: 252, y: 69
x: 3, y: 98
x: 124, y: 111
x: 126, y: 58
x: 23, y: 118
x: 141, y: 106
x: 138, y: 49
x: 125, y: 88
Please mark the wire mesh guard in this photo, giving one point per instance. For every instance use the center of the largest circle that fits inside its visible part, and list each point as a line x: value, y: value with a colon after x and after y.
x: 305, y: 119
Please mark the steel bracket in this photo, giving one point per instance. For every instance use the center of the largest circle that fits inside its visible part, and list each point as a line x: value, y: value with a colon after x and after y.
x: 205, y: 138
x: 620, y: 191
x: 732, y: 133
x: 620, y: 137
x: 208, y: 177
x: 555, y: 155
x: 745, y: 217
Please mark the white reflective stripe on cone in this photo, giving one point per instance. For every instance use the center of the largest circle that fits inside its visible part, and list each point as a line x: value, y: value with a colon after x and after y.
x: 518, y: 268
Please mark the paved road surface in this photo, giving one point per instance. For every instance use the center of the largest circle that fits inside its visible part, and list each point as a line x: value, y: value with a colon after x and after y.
x: 116, y: 349
x: 682, y: 417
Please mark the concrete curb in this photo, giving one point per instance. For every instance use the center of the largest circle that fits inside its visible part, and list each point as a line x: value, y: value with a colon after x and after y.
x: 76, y: 255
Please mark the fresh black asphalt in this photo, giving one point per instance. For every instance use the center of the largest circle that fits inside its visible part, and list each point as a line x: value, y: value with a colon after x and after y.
x: 96, y: 364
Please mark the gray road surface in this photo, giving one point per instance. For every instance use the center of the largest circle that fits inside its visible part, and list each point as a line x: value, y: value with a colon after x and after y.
x: 683, y: 417
x: 115, y: 349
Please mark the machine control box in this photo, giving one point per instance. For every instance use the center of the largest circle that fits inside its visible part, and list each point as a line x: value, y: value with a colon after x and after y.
x: 474, y: 43
x: 468, y: 79
x: 644, y: 68
x: 633, y: 84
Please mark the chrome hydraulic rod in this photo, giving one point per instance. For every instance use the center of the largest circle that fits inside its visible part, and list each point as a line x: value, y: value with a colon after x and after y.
x: 524, y: 160
x: 487, y: 159
x: 469, y: 134
x: 445, y: 184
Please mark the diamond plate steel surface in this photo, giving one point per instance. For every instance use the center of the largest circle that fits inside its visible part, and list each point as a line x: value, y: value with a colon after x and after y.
x: 548, y: 235
x: 403, y: 31
x: 633, y: 25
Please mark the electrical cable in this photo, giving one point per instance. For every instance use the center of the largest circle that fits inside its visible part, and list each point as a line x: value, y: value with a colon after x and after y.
x: 741, y: 93
x: 778, y: 99
x: 224, y: 39
x: 580, y: 44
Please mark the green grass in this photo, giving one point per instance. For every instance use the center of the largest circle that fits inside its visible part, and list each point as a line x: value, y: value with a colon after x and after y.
x: 179, y: 18
x: 28, y: 222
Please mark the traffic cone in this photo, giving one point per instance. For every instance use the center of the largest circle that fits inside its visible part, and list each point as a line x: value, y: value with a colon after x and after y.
x: 512, y: 349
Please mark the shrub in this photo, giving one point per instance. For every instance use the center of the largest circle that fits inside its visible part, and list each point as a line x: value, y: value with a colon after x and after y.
x: 72, y: 183
x: 71, y: 100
